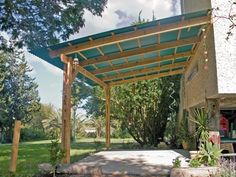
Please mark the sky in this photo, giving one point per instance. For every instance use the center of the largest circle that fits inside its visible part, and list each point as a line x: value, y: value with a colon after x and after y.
x: 119, y: 13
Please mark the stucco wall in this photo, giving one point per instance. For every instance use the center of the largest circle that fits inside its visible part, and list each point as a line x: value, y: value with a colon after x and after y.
x: 225, y: 49
x: 203, y: 83
x: 220, y: 78
x: 194, y: 5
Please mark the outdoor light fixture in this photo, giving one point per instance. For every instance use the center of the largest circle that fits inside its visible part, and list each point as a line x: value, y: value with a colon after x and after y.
x: 76, y: 59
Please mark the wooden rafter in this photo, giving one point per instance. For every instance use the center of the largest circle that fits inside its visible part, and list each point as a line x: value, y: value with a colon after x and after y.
x: 197, y: 45
x: 144, y: 71
x: 141, y: 63
x: 140, y: 51
x: 119, y: 46
x: 148, y: 77
x: 84, y: 72
x: 131, y: 35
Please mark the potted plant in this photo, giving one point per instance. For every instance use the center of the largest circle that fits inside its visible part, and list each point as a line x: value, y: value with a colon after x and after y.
x: 209, y: 153
x: 185, y: 137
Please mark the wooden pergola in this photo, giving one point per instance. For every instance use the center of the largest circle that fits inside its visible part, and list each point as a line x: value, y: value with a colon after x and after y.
x: 140, y: 52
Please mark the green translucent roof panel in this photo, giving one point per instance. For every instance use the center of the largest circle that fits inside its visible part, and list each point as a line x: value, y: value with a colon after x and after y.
x: 128, y: 44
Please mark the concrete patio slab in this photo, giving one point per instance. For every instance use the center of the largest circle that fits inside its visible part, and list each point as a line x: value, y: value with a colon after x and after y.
x: 133, y: 163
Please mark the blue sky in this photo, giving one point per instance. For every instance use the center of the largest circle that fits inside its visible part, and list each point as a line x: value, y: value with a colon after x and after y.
x: 119, y: 13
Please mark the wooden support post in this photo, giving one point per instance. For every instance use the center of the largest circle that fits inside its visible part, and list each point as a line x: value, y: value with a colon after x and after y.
x: 66, y: 110
x: 15, y: 145
x: 107, y: 90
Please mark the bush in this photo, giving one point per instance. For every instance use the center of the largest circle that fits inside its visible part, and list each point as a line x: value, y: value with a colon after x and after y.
x: 28, y: 134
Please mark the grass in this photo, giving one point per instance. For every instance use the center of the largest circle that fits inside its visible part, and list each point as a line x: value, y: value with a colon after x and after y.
x: 33, y: 153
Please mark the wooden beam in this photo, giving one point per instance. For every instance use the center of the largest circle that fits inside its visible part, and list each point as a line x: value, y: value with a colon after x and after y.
x: 107, y: 90
x: 15, y: 146
x: 90, y: 76
x: 140, y: 51
x: 131, y: 35
x: 144, y: 71
x: 142, y: 62
x: 66, y: 108
x: 85, y: 72
x: 148, y: 77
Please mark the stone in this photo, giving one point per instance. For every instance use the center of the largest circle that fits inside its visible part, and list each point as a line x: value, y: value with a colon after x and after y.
x: 80, y: 169
x: 45, y: 168
x: 194, y: 172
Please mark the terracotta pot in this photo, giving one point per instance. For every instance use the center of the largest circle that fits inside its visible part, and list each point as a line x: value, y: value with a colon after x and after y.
x: 185, y: 145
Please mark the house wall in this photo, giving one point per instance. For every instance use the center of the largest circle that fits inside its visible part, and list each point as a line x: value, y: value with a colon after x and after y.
x: 225, y: 49
x: 194, y: 5
x: 220, y: 77
x: 200, y: 81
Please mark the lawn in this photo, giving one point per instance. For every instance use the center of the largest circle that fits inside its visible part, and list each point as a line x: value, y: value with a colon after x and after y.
x: 33, y: 153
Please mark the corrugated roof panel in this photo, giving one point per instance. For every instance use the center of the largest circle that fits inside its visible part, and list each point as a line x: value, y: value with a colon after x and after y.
x: 164, y: 71
x: 167, y: 52
x: 179, y: 60
x: 190, y: 32
x: 112, y: 73
x: 152, y: 65
x: 163, y: 63
x: 134, y: 58
x: 169, y: 36
x: 109, y: 49
x: 178, y: 68
x: 102, y: 65
x: 150, y: 40
x: 118, y: 62
x: 132, y: 69
x: 89, y: 68
x: 151, y: 55
x: 185, y: 48
x: 91, y: 53
x: 128, y: 45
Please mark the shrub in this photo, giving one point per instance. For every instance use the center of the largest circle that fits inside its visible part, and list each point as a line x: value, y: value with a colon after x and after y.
x: 176, y: 163
x: 28, y: 134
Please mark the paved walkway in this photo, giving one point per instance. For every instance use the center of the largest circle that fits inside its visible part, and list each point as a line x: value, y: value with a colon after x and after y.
x: 138, y: 162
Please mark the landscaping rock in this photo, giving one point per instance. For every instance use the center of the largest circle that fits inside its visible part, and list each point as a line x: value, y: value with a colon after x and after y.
x: 80, y: 169
x: 45, y: 168
x: 194, y: 172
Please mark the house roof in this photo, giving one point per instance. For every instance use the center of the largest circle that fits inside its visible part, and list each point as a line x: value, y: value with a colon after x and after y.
x: 138, y: 52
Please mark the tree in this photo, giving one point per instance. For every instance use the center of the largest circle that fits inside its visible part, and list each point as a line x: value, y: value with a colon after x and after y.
x: 79, y: 92
x: 19, y: 92
x: 38, y: 23
x: 144, y: 107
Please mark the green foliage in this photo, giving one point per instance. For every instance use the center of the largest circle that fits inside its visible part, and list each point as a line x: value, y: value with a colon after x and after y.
x: 18, y: 94
x: 29, y: 134
x: 194, y: 163
x: 53, y: 123
x: 39, y: 23
x: 209, y: 153
x: 145, y: 108
x: 183, y: 133
x: 56, y: 152
x: 176, y: 163
x: 202, y: 122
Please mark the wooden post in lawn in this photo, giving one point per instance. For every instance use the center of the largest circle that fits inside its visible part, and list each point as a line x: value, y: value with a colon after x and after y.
x: 15, y: 145
x: 107, y: 90
x: 66, y: 108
